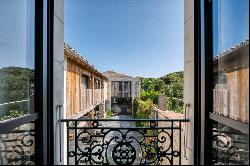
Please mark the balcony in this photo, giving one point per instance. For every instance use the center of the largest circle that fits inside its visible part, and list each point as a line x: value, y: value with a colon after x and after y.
x: 114, y: 142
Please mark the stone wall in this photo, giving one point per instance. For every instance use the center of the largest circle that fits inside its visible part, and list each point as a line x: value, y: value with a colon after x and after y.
x: 135, y: 89
x: 162, y: 101
x: 119, y: 77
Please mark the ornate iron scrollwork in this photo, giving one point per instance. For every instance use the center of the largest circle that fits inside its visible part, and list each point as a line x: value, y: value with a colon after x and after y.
x: 103, y: 144
x: 230, y: 147
x: 17, y: 147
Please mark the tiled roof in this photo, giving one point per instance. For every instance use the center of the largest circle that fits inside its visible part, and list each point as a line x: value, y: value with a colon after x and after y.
x: 113, y: 74
x: 232, y: 49
x: 67, y: 46
x: 170, y: 114
x: 81, y: 58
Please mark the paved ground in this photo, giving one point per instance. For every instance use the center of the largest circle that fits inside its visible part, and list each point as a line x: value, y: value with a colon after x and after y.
x: 119, y: 124
x: 111, y: 135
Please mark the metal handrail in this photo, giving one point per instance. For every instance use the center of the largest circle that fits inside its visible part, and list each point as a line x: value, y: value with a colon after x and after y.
x: 128, y: 120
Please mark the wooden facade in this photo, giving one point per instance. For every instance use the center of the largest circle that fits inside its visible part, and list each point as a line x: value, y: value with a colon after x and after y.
x: 231, y: 91
x: 86, y: 88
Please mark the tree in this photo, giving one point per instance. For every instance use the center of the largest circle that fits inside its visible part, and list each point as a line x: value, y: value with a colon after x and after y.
x: 15, y: 83
x: 170, y: 85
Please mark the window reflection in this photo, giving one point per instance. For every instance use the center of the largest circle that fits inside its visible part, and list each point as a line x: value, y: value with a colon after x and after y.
x: 18, y: 146
x: 230, y: 24
x: 230, y: 146
x: 16, y: 57
x: 231, y: 79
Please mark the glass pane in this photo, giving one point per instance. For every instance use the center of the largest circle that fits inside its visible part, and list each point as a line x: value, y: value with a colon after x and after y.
x: 231, y: 79
x: 230, y: 146
x: 18, y: 146
x: 230, y: 23
x: 231, y: 59
x: 16, y: 57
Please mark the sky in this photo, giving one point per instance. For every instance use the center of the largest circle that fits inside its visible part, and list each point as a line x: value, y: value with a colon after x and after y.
x: 17, y: 31
x: 135, y: 37
x: 231, y: 23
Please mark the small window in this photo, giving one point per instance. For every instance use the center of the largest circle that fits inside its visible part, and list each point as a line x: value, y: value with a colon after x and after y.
x: 120, y: 87
x: 85, y: 82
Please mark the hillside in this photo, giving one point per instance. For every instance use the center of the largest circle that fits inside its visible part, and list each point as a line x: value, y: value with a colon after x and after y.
x: 15, y: 83
x: 170, y: 85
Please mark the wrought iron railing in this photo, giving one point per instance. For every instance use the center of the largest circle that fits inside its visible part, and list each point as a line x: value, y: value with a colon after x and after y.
x: 18, y: 146
x: 230, y: 146
x: 124, y: 141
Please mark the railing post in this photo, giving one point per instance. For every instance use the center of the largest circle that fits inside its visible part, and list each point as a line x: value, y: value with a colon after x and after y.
x: 75, y: 129
x: 172, y: 143
x: 180, y: 144
x: 67, y: 124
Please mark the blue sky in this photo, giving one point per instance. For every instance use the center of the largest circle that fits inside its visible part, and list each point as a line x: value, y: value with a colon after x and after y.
x: 17, y: 33
x: 135, y: 37
x: 234, y: 23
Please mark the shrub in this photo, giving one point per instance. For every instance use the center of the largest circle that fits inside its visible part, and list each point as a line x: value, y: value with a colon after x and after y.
x: 150, y: 95
x: 142, y: 110
x: 108, y: 114
x: 12, y: 114
x: 175, y: 105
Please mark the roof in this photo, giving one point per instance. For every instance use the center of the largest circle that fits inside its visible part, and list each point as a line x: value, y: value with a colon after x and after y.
x: 115, y: 75
x: 69, y: 52
x: 170, y: 114
x: 232, y: 49
x: 234, y: 59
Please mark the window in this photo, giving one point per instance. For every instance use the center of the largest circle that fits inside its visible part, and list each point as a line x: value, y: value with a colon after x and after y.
x: 85, y: 82
x: 125, y: 86
x: 17, y: 79
x: 127, y: 89
x: 23, y: 98
x: 126, y: 95
x: 230, y: 113
x: 17, y: 64
x: 120, y: 87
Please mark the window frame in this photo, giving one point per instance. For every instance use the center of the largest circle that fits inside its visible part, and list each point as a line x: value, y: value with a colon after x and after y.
x: 203, y: 81
x: 203, y: 28
x: 43, y: 115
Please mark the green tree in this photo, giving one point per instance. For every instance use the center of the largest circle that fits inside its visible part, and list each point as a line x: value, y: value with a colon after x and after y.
x: 170, y: 85
x: 152, y: 95
x: 15, y: 83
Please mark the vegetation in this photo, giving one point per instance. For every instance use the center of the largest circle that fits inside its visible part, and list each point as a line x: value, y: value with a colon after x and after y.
x: 12, y: 114
x: 108, y: 114
x: 174, y: 85
x: 16, y: 84
x: 170, y: 85
x: 142, y: 110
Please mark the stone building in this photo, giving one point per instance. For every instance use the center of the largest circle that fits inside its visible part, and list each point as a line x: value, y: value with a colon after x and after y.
x: 122, y: 90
